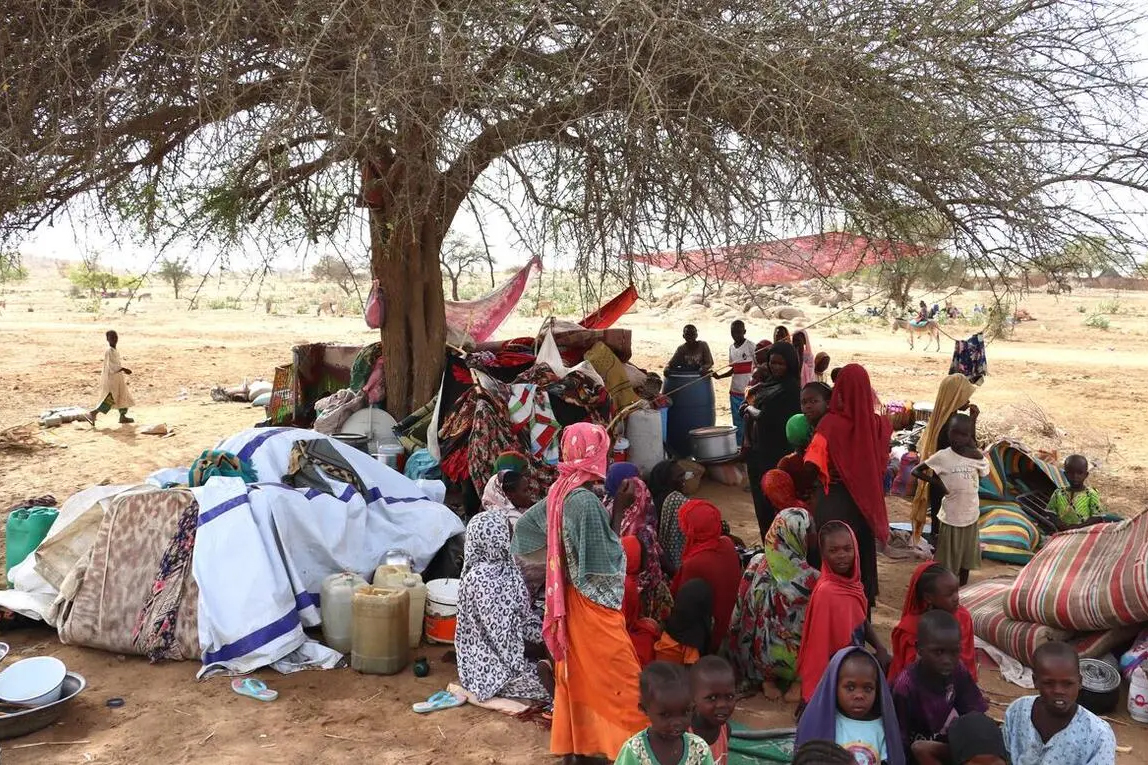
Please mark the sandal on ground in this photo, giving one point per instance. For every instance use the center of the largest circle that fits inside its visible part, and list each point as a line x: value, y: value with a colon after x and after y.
x: 437, y: 701
x: 253, y: 688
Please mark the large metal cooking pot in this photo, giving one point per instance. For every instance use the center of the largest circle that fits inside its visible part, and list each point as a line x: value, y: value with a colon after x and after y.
x: 715, y: 443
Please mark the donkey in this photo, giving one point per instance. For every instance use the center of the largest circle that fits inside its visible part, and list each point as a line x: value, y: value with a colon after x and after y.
x: 930, y: 329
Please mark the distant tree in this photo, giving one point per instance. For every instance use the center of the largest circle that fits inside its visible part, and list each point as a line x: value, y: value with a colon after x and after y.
x: 334, y: 270
x: 459, y: 257
x: 175, y: 272
x: 11, y: 268
x: 926, y: 231
x: 1086, y: 256
x: 87, y: 276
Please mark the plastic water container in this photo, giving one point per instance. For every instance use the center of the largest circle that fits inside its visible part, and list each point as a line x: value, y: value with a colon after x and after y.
x: 644, y: 432
x: 441, y: 611
x: 379, y: 632
x: 335, y: 609
x: 693, y: 408
x: 622, y: 450
x: 1138, y: 695
x: 385, y: 571
x: 414, y: 586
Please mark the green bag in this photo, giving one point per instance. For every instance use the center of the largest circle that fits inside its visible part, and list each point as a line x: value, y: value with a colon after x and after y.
x: 26, y: 529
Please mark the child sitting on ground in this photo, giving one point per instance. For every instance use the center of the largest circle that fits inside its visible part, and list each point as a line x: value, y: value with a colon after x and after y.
x: 956, y: 473
x: 838, y: 613
x: 976, y: 739
x: 664, y: 693
x: 1078, y: 505
x: 1051, y: 729
x: 715, y: 696
x: 934, y: 690
x: 932, y: 587
x: 852, y: 707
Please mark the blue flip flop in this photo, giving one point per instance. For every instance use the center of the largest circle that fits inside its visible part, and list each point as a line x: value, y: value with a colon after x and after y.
x: 253, y: 688
x: 440, y: 700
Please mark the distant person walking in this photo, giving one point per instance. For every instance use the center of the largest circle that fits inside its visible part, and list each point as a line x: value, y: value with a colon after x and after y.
x: 114, y: 393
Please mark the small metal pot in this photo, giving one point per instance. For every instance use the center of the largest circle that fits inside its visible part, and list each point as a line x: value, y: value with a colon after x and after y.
x: 715, y: 443
x: 1099, y: 686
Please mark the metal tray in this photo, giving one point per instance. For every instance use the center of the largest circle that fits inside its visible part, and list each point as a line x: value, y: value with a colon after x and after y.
x: 15, y: 724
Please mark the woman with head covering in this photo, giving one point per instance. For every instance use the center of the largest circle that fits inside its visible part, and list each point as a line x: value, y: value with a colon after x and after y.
x: 838, y: 612
x: 803, y: 344
x: 640, y: 520
x: 688, y: 633
x: 495, y: 621
x: 644, y: 632
x: 765, y: 629
x: 954, y: 395
x: 709, y: 556
x: 773, y: 403
x: 781, y: 334
x: 848, y: 455
x: 506, y: 493
x: 667, y: 485
x: 596, y: 670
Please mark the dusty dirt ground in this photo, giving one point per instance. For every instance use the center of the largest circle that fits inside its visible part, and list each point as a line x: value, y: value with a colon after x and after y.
x: 1087, y: 383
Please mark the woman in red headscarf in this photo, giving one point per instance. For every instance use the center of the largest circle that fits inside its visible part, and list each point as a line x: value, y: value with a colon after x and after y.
x: 644, y: 632
x: 712, y: 557
x: 848, y: 455
x: 595, y: 670
x: 931, y: 586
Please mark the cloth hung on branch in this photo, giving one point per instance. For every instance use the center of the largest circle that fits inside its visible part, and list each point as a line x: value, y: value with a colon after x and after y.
x: 155, y: 631
x: 970, y: 359
x: 478, y: 319
x: 609, y: 312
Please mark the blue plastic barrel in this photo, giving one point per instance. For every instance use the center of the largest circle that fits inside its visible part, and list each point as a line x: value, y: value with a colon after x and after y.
x: 692, y: 407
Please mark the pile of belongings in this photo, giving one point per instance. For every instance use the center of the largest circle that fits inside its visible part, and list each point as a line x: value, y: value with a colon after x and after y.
x: 223, y: 561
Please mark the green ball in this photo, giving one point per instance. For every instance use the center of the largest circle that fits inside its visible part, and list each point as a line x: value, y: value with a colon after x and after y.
x: 797, y: 430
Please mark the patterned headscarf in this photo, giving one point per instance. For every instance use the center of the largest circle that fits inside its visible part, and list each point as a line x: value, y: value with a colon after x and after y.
x: 585, y: 454
x: 494, y: 498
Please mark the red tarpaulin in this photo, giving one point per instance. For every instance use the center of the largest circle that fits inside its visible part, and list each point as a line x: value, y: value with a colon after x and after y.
x: 610, y: 312
x: 784, y: 260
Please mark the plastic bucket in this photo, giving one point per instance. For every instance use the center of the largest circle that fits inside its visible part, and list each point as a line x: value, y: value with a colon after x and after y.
x: 442, y: 611
x: 621, y: 450
x: 1138, y: 695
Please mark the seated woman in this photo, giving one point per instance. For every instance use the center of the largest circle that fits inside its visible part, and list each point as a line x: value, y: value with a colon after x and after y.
x: 628, y: 497
x: 644, y: 632
x: 667, y: 485
x: 765, y: 630
x: 712, y: 557
x: 688, y: 633
x: 495, y: 622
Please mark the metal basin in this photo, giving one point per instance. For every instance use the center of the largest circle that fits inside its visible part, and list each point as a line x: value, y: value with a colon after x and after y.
x: 715, y: 443
x: 22, y: 723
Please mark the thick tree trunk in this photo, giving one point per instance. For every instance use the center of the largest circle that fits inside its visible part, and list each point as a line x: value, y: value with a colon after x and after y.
x: 405, y: 261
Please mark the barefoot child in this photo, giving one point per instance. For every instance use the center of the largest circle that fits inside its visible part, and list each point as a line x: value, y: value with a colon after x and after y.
x: 1051, y: 729
x: 665, y: 699
x: 1078, y: 505
x: 932, y: 587
x: 956, y: 473
x: 715, y: 696
x: 933, y: 691
x: 853, y: 708
x: 838, y: 612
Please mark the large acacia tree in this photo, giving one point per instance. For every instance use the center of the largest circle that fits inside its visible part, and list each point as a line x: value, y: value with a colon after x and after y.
x: 618, y: 124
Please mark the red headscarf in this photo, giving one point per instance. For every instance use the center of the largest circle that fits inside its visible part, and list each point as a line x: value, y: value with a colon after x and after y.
x: 710, y: 556
x: 905, y: 633
x: 834, y: 619
x: 858, y: 440
x: 585, y: 455
x: 780, y: 490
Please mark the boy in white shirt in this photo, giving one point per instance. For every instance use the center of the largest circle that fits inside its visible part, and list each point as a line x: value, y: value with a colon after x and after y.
x: 956, y: 472
x: 741, y: 361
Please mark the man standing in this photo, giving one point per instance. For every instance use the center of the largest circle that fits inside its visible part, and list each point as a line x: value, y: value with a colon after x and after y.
x: 741, y: 361
x: 113, y: 384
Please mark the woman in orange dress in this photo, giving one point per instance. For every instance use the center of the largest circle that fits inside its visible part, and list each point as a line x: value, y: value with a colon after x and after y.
x: 596, y: 669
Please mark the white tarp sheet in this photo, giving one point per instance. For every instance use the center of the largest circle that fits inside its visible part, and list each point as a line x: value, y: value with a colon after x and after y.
x: 262, y: 551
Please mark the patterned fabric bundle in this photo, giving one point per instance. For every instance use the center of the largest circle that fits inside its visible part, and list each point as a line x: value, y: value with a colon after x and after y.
x: 212, y: 463
x: 1019, y: 639
x: 1090, y: 578
x: 969, y: 359
x: 533, y: 419
x: 155, y: 632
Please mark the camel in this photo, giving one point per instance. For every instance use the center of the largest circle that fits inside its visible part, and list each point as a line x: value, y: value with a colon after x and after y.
x: 930, y: 328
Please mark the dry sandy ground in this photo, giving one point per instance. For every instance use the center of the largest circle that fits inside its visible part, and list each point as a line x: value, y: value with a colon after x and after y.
x: 1089, y: 382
